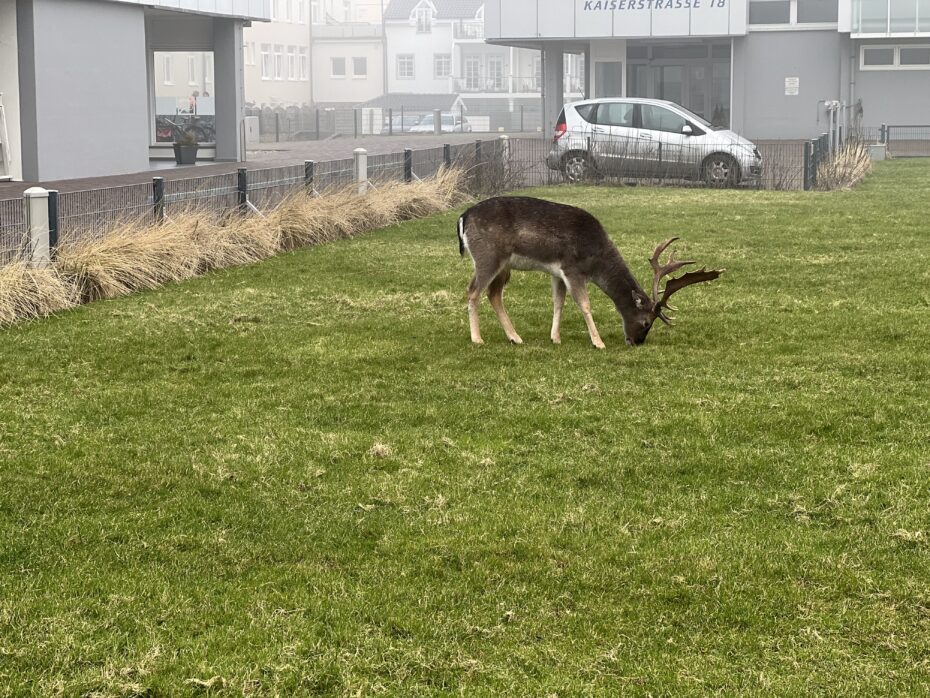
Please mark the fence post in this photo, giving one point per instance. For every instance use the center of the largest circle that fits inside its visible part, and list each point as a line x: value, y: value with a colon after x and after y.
x: 390, y: 122
x: 437, y: 122
x: 35, y: 205
x: 522, y: 113
x: 277, y: 127
x: 408, y: 165
x: 361, y: 169
x: 318, y: 123
x: 401, y: 118
x: 355, y: 122
x: 883, y: 135
x: 158, y: 199
x: 242, y: 188
x: 478, y: 166
x: 447, y: 154
x: 807, y: 167
x: 53, y: 222
x: 309, y: 176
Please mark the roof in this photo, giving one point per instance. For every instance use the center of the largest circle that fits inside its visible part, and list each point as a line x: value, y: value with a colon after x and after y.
x: 240, y: 9
x: 445, y: 9
x: 412, y: 102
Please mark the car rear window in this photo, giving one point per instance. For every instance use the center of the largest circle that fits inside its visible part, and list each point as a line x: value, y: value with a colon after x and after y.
x: 586, y: 112
x: 616, y: 114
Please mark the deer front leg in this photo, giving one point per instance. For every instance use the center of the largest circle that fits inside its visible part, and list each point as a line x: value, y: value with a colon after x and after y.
x: 579, y: 292
x: 496, y: 296
x: 558, y: 300
x: 474, y: 297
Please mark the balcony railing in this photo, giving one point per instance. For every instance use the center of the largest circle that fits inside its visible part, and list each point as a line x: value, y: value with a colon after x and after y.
x: 469, y: 30
x: 500, y: 85
x: 891, y: 17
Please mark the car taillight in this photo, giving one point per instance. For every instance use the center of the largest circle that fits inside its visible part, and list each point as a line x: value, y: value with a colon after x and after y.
x: 560, y: 130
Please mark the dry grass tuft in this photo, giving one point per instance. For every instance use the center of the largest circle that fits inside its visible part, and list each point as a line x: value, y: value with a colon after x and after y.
x: 380, y: 450
x: 236, y: 242
x: 849, y: 166
x: 130, y: 259
x: 27, y: 293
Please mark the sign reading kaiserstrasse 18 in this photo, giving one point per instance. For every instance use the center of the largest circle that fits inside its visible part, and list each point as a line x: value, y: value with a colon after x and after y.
x: 614, y: 18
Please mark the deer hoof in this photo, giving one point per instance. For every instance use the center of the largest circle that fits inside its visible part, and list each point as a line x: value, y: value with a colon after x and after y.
x: 599, y: 345
x: 477, y: 341
x: 556, y: 340
x: 516, y: 340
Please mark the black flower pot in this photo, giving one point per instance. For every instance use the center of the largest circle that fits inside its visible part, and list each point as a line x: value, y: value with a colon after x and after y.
x: 185, y: 154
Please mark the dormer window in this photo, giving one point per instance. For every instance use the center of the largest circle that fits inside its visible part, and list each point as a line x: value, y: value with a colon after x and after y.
x: 424, y: 17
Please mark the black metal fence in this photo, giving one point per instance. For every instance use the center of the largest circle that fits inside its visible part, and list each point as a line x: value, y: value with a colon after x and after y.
x: 13, y: 230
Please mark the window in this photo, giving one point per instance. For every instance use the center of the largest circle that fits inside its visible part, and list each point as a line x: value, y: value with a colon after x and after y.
x: 915, y: 56
x: 424, y: 20
x: 907, y: 57
x: 337, y: 67
x: 191, y: 70
x: 586, y: 112
x: 616, y: 114
x: 166, y: 66
x: 814, y: 11
x: 661, y: 119
x: 442, y: 65
x: 495, y: 73
x: 537, y: 73
x: 302, y: 11
x: 292, y: 63
x: 286, y: 13
x: 304, y: 58
x: 769, y: 11
x: 473, y: 73
x: 278, y: 62
x: 267, y: 67
x: 347, y: 11
x: 315, y: 11
x: 360, y: 67
x: 405, y: 69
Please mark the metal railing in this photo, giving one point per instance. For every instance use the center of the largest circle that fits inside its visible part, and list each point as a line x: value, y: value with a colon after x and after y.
x: 14, y: 235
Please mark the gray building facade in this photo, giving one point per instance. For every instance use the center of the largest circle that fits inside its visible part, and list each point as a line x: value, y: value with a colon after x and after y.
x: 769, y: 69
x: 78, y: 86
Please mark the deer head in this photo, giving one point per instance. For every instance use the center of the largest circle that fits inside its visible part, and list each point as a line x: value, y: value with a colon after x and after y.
x: 649, y: 310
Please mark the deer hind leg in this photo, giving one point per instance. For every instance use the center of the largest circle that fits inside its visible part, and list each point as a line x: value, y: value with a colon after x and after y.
x: 558, y: 300
x: 484, y: 276
x: 496, y: 296
x: 580, y: 293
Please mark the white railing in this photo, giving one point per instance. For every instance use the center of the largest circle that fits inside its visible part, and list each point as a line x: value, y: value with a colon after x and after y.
x: 890, y: 18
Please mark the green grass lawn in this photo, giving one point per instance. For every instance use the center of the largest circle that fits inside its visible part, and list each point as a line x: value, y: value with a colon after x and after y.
x: 301, y: 478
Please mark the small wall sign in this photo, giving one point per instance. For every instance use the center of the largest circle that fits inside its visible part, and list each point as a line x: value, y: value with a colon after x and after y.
x: 792, y: 87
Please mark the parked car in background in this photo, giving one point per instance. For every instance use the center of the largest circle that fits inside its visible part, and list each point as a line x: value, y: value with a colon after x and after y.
x: 451, y: 123
x: 403, y: 123
x: 648, y: 138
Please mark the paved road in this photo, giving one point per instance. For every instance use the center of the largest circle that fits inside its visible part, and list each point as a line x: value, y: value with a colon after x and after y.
x: 261, y: 156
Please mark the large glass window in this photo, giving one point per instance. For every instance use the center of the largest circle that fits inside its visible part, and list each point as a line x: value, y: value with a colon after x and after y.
x: 442, y: 65
x: 338, y: 67
x: 424, y: 20
x: 184, y: 99
x: 472, y: 73
x: 608, y: 79
x: 495, y: 73
x: 661, y: 119
x: 878, y: 56
x: 360, y: 67
x: 903, y: 15
x: 915, y: 56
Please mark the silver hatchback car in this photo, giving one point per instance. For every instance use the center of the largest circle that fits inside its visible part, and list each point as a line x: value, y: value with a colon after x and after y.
x: 648, y: 138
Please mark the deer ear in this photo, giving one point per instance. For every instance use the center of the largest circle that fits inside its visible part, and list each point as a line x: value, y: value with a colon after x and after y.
x: 638, y: 300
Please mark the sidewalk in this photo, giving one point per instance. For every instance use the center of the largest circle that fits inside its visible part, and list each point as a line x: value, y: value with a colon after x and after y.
x: 261, y: 156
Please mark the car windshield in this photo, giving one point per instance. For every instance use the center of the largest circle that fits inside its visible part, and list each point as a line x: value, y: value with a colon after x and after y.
x: 700, y: 119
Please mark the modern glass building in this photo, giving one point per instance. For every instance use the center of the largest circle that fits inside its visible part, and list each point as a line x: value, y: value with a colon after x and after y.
x: 770, y: 69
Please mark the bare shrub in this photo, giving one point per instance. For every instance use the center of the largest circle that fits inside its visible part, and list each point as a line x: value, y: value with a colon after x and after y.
x: 27, y: 293
x: 235, y: 242
x: 848, y: 166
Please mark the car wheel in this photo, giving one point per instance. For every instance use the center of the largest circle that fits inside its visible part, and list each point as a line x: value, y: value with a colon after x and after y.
x: 576, y: 167
x: 720, y: 170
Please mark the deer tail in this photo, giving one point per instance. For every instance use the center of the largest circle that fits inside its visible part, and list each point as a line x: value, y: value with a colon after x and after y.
x: 462, y: 235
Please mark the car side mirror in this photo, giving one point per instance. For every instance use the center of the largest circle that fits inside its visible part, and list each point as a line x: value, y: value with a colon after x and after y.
x: 687, y: 130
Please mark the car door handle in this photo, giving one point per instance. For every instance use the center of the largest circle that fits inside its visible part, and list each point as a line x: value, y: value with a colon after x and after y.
x: 645, y: 136
x: 600, y: 130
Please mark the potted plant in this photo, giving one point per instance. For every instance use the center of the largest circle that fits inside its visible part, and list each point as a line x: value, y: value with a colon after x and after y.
x: 185, y: 146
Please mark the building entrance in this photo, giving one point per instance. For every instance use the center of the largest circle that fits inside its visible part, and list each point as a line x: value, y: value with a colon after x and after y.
x: 694, y: 75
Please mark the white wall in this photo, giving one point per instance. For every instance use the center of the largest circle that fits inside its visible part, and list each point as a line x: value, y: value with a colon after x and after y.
x: 9, y: 81
x: 286, y: 92
x: 350, y: 89
x: 402, y: 38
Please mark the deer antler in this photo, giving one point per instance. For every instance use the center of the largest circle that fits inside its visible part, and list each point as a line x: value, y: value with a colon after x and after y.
x: 673, y: 285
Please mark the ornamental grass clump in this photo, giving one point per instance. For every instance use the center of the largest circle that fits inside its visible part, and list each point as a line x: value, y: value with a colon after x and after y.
x: 131, y: 258
x: 234, y: 242
x: 27, y: 293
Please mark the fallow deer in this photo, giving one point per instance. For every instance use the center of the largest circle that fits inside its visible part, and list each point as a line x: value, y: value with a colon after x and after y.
x: 571, y: 245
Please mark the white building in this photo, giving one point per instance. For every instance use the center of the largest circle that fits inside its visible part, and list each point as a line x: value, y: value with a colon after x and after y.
x: 277, y: 56
x: 438, y: 47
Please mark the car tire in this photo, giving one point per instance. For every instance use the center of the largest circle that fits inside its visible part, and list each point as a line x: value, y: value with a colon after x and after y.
x: 577, y: 167
x: 720, y: 170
